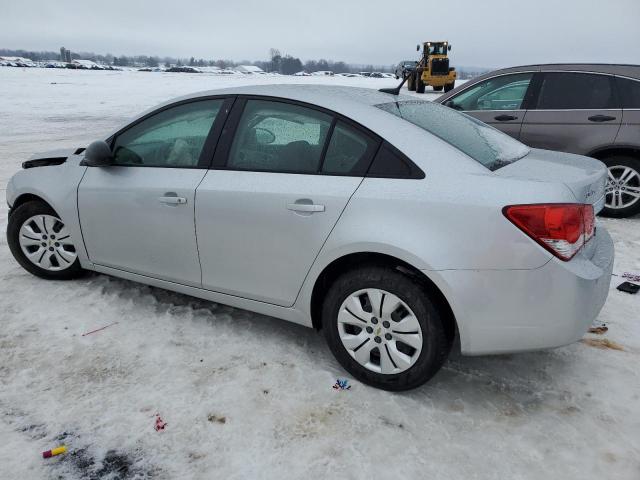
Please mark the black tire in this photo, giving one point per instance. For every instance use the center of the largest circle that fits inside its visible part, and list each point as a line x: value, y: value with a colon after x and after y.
x: 435, y: 347
x: 411, y: 82
x: 449, y: 86
x: 419, y: 82
x: 634, y: 164
x: 16, y: 220
x: 438, y: 88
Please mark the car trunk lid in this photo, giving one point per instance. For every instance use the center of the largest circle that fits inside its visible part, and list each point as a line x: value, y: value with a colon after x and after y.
x: 584, y: 176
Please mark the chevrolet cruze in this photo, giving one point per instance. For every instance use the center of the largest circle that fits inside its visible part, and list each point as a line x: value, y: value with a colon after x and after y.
x: 394, y: 225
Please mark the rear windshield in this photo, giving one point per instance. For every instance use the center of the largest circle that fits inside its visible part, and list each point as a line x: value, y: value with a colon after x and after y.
x: 483, y: 143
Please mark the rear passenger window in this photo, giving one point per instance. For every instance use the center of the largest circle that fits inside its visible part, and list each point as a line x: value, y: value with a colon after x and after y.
x: 349, y: 151
x: 279, y: 137
x: 389, y: 163
x: 576, y: 91
x: 629, y: 92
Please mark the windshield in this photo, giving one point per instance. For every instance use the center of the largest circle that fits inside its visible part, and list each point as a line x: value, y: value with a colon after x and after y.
x: 437, y: 49
x: 483, y: 143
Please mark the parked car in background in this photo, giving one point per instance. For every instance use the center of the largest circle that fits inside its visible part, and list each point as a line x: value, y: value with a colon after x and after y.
x: 376, y: 75
x: 588, y: 109
x: 404, y: 68
x: 336, y: 208
x: 322, y: 73
x: 184, y: 69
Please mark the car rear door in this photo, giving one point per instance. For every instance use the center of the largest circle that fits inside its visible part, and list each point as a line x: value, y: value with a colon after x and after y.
x: 629, y: 93
x: 574, y: 112
x: 137, y: 215
x: 284, y: 174
x: 499, y: 101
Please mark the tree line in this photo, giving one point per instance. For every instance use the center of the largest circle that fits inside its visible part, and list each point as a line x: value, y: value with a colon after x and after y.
x: 282, y: 63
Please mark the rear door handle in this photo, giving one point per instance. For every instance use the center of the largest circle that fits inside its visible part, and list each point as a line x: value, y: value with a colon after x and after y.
x: 305, y: 207
x: 505, y: 118
x: 173, y: 200
x: 601, y: 118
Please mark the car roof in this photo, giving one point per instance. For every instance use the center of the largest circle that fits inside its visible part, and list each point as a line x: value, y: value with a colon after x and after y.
x: 353, y: 102
x: 625, y: 70
x: 331, y: 97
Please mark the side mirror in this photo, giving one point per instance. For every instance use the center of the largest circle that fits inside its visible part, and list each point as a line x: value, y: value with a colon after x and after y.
x: 417, y: 48
x: 449, y: 48
x: 98, y: 154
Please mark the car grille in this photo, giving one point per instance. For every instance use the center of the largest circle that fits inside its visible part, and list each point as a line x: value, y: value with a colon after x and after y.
x: 440, y: 66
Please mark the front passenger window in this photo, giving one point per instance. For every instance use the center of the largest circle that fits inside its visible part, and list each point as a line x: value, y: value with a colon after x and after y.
x: 279, y: 137
x: 171, y: 138
x: 505, y: 92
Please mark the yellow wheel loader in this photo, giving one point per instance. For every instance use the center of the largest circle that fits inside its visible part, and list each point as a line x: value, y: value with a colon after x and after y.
x: 433, y: 69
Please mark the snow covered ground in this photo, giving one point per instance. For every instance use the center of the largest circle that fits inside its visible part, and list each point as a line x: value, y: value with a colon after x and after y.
x: 247, y: 396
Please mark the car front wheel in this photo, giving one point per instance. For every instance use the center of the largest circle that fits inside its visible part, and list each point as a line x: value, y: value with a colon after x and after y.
x: 622, y: 194
x: 383, y: 328
x: 41, y: 242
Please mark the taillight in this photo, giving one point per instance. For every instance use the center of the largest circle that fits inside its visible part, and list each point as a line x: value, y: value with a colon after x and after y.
x: 561, y: 228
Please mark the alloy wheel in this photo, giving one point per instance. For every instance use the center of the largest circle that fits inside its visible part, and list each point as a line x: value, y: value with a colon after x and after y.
x: 46, y: 243
x: 623, y: 187
x: 379, y: 331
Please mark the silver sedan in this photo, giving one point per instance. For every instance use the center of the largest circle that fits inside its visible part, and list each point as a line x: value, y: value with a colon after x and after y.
x: 393, y: 225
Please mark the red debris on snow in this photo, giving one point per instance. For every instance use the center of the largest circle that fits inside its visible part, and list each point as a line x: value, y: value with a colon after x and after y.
x: 160, y: 424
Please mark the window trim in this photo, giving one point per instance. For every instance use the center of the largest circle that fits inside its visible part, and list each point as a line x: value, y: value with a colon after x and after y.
x: 230, y: 129
x: 211, y: 140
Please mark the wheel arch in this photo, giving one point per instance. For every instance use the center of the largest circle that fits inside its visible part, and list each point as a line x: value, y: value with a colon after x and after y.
x: 29, y: 197
x: 352, y: 260
x: 613, y: 150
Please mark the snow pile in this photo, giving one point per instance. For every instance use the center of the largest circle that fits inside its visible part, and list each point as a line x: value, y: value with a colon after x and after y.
x: 246, y: 396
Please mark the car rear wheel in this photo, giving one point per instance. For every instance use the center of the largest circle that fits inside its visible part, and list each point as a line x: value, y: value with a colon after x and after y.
x: 622, y: 194
x: 449, y: 86
x: 438, y: 88
x: 41, y: 242
x: 383, y: 328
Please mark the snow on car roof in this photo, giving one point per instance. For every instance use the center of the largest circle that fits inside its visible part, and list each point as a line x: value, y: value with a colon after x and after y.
x: 322, y: 95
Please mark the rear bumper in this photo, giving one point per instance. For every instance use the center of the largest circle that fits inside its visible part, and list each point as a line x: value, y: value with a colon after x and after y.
x: 503, y: 311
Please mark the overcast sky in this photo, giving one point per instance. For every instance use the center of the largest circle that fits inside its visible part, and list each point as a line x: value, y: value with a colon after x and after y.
x: 489, y: 33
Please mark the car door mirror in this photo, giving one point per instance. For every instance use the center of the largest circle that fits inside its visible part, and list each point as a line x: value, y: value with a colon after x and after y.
x: 417, y: 48
x: 449, y: 47
x: 98, y: 154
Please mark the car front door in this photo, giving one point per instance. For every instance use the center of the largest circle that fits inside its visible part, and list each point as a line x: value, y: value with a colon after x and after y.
x: 137, y: 215
x: 281, y: 182
x: 499, y: 101
x: 574, y: 112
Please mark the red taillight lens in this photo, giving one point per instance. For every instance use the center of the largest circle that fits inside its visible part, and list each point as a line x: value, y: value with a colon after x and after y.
x: 589, y: 223
x: 560, y: 228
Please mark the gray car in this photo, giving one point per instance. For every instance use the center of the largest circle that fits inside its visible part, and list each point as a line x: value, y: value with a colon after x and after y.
x: 588, y: 109
x: 394, y: 225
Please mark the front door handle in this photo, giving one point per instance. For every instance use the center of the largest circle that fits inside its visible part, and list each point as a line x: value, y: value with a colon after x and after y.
x: 505, y: 118
x: 170, y: 200
x: 601, y: 118
x: 305, y: 207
